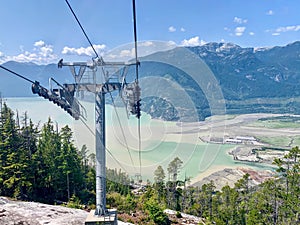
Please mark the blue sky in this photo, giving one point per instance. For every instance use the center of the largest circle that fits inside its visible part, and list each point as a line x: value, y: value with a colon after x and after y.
x: 44, y: 31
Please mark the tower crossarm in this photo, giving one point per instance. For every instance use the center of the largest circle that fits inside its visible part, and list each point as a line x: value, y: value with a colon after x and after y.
x: 94, y: 88
x: 92, y: 64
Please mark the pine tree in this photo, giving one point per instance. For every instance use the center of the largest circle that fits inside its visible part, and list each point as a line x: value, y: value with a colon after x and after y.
x: 13, y: 157
x: 29, y: 136
x: 173, y: 194
x: 45, y: 164
x: 159, y: 183
x: 289, y: 171
x: 70, y: 163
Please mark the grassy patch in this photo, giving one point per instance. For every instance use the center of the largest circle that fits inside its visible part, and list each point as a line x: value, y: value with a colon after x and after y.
x: 276, y: 141
x: 278, y: 122
x: 296, y: 141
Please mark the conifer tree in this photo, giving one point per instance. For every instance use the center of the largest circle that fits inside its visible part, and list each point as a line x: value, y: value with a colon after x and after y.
x: 12, y: 156
x: 159, y: 183
x: 46, y: 164
x: 70, y: 163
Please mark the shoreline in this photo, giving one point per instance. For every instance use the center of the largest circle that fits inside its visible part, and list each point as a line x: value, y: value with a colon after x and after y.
x: 210, y: 171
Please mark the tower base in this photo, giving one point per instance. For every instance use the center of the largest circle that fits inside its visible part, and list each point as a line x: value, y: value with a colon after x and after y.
x: 109, y: 219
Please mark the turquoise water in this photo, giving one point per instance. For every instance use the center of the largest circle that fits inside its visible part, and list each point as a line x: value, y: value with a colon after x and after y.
x: 39, y: 110
x: 197, y: 157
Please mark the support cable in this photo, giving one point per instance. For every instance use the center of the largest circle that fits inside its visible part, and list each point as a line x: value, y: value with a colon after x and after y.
x: 122, y: 130
x: 19, y: 75
x: 135, y: 39
x: 114, y: 158
x: 82, y: 29
x: 137, y: 81
x: 58, y: 84
x: 87, y: 126
x: 117, y: 161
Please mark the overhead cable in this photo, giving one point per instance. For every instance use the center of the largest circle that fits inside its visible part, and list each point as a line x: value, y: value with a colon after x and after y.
x: 82, y: 28
x: 122, y: 130
x: 19, y: 75
x: 137, y: 81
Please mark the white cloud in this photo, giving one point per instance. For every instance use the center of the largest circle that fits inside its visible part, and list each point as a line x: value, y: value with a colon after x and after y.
x: 288, y: 28
x: 239, y: 20
x: 194, y: 41
x: 82, y: 51
x: 239, y: 31
x: 279, y: 30
x: 2, y: 57
x: 171, y: 43
x: 226, y: 29
x: 127, y: 53
x: 46, y: 51
x: 39, y: 43
x: 182, y: 29
x: 41, y: 53
x: 172, y: 29
x: 275, y: 34
x: 270, y: 12
x: 251, y: 33
x: 27, y: 57
x: 146, y: 43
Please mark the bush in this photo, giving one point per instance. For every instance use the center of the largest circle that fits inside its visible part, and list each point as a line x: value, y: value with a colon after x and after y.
x: 156, y: 213
x: 75, y: 203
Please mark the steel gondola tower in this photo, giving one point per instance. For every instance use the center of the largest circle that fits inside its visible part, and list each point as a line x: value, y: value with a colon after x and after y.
x: 100, y: 86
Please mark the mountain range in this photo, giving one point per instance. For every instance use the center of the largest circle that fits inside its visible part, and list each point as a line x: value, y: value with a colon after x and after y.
x: 252, y: 80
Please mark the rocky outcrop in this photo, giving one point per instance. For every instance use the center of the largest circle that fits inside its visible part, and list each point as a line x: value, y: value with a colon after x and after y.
x: 244, y: 154
x: 33, y: 213
x: 229, y: 176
